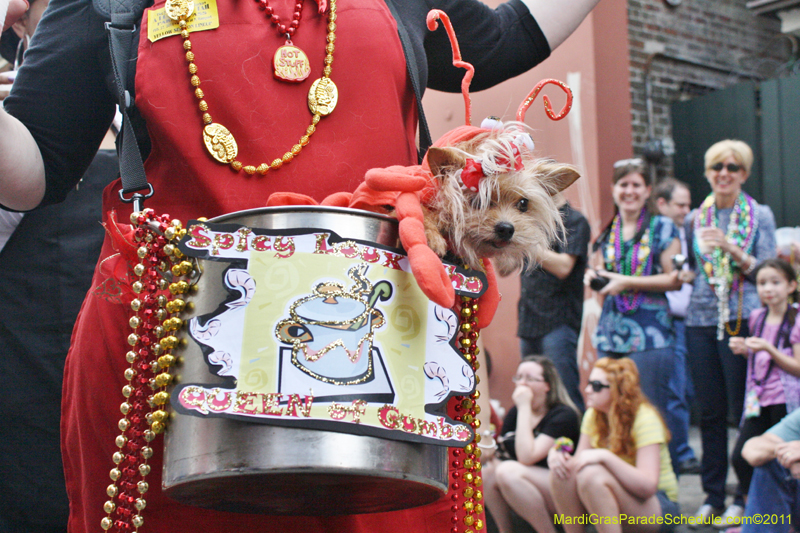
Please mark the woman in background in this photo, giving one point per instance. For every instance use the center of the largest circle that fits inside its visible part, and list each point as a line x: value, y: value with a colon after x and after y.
x: 729, y: 235
x: 517, y: 477
x: 621, y: 465
x: 635, y: 257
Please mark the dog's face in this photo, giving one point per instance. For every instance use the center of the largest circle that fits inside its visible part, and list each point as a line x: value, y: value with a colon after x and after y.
x: 512, y: 217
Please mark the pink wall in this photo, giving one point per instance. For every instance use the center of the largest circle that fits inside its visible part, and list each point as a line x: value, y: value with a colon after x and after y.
x: 594, y: 62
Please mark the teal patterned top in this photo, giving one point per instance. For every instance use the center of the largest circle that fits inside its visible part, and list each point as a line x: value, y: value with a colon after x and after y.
x: 650, y: 325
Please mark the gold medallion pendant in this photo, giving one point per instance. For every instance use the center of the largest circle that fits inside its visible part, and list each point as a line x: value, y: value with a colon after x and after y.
x: 179, y: 9
x: 291, y: 64
x: 322, y: 97
x: 220, y: 143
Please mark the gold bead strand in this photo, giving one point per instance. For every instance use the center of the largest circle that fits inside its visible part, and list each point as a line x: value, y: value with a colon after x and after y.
x: 219, y: 141
x: 467, y: 461
x: 141, y: 413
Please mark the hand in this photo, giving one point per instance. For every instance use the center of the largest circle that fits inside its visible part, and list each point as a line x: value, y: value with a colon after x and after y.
x: 757, y: 344
x: 522, y: 396
x: 559, y: 463
x: 715, y: 237
x: 788, y: 453
x: 589, y: 275
x: 617, y: 284
x: 487, y: 454
x: 594, y: 456
x: 686, y: 276
x: 737, y: 346
x: 16, y: 8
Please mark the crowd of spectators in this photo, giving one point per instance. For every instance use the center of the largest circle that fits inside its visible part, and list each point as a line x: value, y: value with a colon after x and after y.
x: 696, y: 308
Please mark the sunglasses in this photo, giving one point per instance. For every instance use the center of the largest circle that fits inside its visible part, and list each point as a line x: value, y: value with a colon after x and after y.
x: 636, y: 161
x: 732, y: 167
x: 597, y: 386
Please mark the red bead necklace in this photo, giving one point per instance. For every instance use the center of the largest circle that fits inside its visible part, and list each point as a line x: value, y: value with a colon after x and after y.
x: 290, y: 63
x: 283, y: 29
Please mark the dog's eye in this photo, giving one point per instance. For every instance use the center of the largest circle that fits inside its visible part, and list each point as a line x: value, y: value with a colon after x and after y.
x: 522, y: 205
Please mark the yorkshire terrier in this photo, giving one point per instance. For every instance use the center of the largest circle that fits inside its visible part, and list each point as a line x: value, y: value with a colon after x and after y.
x: 495, y: 200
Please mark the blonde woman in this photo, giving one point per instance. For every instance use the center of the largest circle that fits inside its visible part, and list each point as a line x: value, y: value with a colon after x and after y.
x: 729, y: 234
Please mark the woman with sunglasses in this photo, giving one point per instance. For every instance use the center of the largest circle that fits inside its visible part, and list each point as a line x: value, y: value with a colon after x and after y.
x: 633, y: 270
x: 621, y: 465
x: 729, y: 234
x: 516, y: 477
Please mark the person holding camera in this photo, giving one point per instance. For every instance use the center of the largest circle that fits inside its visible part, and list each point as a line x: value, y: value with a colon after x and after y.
x: 633, y: 269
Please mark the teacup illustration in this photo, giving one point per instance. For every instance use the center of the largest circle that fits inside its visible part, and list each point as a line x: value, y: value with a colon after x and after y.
x: 332, y: 330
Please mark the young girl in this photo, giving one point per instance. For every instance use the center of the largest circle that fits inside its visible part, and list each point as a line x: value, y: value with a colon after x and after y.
x: 621, y: 465
x: 773, y: 359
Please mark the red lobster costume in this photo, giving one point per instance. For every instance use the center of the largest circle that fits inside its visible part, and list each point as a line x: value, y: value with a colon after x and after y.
x: 407, y: 189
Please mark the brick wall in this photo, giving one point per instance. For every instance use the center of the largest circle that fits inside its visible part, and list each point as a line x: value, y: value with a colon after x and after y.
x: 696, y: 47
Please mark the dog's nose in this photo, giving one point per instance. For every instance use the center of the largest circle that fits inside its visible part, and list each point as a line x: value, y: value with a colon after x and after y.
x: 504, y: 231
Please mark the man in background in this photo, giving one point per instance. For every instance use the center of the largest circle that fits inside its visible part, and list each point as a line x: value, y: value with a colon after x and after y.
x: 774, y: 496
x: 673, y: 200
x: 551, y: 301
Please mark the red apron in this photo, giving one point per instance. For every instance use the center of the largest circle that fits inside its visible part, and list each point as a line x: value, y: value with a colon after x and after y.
x: 372, y: 126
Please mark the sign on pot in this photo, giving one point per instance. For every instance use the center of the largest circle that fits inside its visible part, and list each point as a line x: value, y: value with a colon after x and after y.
x: 321, y: 332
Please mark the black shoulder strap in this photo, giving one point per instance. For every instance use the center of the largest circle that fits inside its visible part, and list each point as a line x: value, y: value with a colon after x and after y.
x: 425, y: 141
x: 122, y: 17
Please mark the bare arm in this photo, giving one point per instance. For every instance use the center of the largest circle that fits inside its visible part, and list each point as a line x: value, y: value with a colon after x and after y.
x: 790, y: 364
x: 760, y: 450
x: 529, y: 449
x: 561, y: 463
x: 21, y: 168
x: 640, y: 480
x: 559, y: 19
x: 559, y: 265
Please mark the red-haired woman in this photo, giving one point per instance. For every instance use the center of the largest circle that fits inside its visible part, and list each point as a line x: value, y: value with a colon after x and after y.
x: 621, y: 465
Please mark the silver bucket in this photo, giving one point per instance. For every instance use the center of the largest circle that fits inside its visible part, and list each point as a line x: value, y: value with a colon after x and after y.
x: 229, y: 465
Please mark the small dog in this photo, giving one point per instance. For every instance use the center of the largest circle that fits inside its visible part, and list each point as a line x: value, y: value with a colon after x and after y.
x: 495, y: 200
x: 479, y: 195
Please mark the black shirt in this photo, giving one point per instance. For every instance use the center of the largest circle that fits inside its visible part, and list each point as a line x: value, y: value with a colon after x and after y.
x: 547, y: 302
x: 560, y: 421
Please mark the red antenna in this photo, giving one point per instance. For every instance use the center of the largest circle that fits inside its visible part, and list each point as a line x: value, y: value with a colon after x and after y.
x: 548, y: 108
x: 433, y: 16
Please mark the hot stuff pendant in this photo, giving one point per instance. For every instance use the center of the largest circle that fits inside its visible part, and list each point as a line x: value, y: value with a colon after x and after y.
x: 291, y: 63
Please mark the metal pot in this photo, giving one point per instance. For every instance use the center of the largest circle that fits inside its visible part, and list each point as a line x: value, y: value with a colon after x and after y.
x: 230, y: 465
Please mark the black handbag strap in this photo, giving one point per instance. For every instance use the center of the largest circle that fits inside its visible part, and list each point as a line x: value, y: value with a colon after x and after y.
x: 425, y: 141
x: 121, y: 27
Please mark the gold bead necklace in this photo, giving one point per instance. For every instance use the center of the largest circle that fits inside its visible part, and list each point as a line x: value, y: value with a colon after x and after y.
x: 220, y: 143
